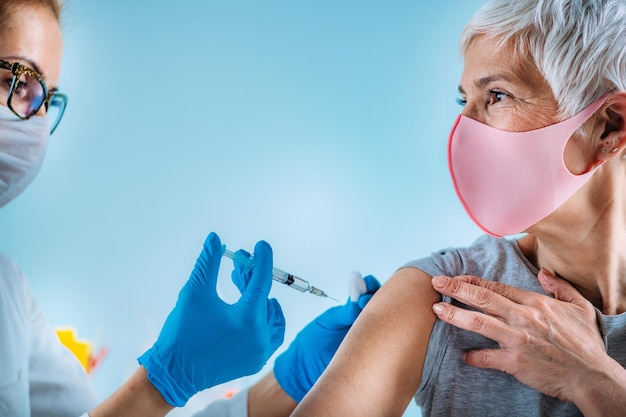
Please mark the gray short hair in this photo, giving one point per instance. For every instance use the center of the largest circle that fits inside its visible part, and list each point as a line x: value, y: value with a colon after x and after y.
x: 579, y: 46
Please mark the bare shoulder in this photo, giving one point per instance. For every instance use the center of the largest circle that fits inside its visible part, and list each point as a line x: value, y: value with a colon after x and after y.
x: 378, y: 367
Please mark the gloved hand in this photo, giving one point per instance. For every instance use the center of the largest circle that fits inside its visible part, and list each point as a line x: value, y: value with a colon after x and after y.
x: 299, y: 367
x: 205, y: 341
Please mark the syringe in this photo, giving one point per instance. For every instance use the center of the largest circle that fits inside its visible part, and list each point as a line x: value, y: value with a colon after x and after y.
x: 279, y: 275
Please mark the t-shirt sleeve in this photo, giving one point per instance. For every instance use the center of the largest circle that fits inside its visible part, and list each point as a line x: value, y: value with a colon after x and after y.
x: 444, y: 262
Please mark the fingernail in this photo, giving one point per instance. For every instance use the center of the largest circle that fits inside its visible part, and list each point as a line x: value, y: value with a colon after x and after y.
x: 439, y: 281
x: 438, y: 308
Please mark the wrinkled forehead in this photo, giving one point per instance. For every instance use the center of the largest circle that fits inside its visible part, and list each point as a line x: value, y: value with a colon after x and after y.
x: 32, y: 36
x: 487, y: 54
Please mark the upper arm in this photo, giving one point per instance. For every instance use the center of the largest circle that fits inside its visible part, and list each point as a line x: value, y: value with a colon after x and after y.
x: 378, y: 367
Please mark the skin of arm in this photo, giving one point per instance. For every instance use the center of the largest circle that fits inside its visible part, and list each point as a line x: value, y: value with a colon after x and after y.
x: 266, y: 398
x: 378, y: 367
x: 136, y: 398
x: 297, y: 369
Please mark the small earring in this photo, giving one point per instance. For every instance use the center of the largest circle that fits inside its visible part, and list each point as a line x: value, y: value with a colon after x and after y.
x: 614, y: 150
x: 603, y: 151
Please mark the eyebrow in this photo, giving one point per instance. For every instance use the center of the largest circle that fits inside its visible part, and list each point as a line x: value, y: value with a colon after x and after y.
x: 484, y: 81
x: 28, y: 61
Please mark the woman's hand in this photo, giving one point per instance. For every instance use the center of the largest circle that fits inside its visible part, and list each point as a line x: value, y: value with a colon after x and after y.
x: 553, y: 345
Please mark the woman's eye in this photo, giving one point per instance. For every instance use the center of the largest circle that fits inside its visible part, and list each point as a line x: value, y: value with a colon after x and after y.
x: 21, y: 88
x: 497, y: 96
x: 461, y: 102
x: 5, y: 84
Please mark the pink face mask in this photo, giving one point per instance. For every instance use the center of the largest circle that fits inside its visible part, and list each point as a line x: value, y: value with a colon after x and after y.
x: 508, y: 181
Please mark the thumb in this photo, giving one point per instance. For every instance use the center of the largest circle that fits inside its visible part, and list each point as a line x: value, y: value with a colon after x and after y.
x: 561, y: 289
x: 372, y: 284
x: 276, y: 319
x: 364, y: 299
x: 339, y: 317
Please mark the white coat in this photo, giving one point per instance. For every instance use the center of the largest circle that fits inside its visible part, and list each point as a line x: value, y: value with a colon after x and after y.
x: 38, y: 375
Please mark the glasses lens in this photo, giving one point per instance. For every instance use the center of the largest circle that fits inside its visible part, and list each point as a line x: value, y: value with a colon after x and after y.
x: 6, y: 79
x: 28, y: 95
x: 55, y: 110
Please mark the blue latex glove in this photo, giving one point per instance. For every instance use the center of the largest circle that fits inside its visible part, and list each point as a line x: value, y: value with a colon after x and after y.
x: 299, y: 367
x: 205, y: 341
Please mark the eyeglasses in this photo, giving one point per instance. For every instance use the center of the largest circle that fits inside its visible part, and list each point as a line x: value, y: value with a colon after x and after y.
x: 26, y: 91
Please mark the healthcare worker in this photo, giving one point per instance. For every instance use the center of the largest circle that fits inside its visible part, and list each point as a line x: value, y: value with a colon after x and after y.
x: 203, y: 342
x: 39, y: 377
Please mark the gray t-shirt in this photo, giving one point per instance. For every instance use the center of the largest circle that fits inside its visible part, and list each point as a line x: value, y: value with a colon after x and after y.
x: 450, y: 387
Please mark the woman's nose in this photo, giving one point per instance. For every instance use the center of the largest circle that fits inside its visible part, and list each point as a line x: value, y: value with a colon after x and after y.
x: 471, y: 110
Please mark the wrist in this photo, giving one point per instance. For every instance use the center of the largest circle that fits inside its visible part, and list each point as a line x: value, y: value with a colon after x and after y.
x: 266, y: 398
x: 603, y: 393
x: 159, y: 367
x: 137, y: 398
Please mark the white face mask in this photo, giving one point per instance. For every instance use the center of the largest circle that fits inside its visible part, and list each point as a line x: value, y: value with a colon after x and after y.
x: 23, y: 145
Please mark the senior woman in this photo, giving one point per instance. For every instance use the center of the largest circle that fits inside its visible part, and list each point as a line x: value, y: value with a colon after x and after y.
x: 532, y: 325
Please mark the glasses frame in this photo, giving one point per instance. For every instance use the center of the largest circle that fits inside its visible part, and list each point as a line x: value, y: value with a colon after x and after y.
x: 55, y: 97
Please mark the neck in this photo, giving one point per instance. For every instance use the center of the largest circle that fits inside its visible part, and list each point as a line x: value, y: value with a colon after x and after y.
x: 591, y: 254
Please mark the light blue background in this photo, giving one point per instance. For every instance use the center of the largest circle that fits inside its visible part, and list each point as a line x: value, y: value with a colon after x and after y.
x: 319, y: 126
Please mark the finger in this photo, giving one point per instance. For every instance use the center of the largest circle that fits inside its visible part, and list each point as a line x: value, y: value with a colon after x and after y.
x: 371, y: 283
x: 474, y: 321
x: 488, y: 359
x: 561, y: 289
x: 241, y: 273
x: 339, y: 317
x: 276, y: 318
x: 261, y: 278
x: 473, y: 295
x: 507, y: 291
x: 364, y: 299
x: 208, y: 263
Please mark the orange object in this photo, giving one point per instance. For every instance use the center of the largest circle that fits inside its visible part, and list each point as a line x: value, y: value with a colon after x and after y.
x: 230, y: 394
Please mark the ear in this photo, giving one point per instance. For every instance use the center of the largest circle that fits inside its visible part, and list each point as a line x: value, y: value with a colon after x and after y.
x: 612, y: 128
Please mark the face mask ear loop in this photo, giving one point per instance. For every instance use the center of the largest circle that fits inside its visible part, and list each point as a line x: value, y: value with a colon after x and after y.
x: 577, y: 121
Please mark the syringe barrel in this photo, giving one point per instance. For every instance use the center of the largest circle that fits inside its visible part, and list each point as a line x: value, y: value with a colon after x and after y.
x: 277, y: 274
x: 290, y: 279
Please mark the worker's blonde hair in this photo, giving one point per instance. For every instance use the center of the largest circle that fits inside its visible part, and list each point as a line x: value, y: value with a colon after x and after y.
x: 7, y: 7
